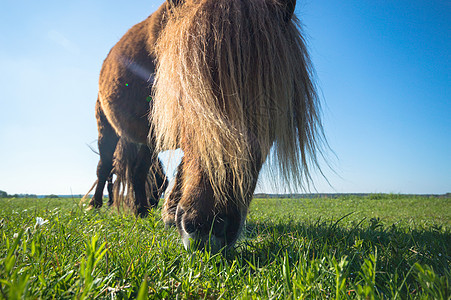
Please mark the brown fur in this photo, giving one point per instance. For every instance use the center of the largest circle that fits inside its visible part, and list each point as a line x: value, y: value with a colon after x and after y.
x: 233, y: 79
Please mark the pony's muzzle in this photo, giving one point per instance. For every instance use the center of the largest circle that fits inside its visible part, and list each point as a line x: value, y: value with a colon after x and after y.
x: 214, y: 233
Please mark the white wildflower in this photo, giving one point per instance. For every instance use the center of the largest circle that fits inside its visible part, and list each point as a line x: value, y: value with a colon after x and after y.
x: 40, y: 221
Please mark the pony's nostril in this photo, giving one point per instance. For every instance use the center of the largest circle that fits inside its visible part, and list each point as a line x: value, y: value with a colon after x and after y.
x: 220, y: 227
x: 189, y: 226
x: 202, y: 231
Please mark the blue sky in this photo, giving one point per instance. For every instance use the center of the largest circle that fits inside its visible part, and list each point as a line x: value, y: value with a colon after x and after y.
x: 383, y: 68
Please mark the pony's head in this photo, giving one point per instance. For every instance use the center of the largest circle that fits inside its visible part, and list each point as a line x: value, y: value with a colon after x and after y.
x: 233, y: 79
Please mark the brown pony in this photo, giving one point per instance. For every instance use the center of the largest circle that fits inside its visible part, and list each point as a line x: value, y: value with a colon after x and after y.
x: 224, y: 80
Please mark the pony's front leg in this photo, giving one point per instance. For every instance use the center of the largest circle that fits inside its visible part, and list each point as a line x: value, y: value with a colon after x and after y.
x: 110, y: 189
x: 157, y: 183
x: 148, y: 181
x: 172, y: 198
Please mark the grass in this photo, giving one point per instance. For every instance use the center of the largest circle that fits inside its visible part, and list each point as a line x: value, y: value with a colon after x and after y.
x: 375, y: 247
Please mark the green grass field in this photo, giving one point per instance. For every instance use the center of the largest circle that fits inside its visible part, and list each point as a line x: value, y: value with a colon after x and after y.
x: 375, y: 247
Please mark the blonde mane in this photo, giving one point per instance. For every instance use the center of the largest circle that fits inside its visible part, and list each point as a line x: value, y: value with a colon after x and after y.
x: 234, y: 79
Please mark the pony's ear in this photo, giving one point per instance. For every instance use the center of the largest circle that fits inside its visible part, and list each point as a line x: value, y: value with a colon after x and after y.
x: 289, y: 9
x: 174, y: 3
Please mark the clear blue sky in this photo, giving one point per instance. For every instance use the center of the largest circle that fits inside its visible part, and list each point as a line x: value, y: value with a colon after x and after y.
x: 383, y: 68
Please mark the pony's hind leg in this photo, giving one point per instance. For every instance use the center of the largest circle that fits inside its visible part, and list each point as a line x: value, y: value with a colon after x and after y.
x: 107, y: 144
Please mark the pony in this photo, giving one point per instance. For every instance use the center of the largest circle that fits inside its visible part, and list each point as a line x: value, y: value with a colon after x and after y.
x: 230, y: 82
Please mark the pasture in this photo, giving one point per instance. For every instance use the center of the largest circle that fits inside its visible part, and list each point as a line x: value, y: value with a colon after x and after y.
x: 379, y: 246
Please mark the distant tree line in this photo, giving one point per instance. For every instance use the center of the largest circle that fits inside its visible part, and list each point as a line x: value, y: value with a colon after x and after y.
x: 4, y: 194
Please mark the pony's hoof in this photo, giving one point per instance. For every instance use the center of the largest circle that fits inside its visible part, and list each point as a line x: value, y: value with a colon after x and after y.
x: 90, y: 207
x: 93, y: 205
x: 142, y: 212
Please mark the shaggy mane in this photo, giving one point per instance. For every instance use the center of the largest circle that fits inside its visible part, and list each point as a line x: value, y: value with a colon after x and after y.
x: 234, y: 79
